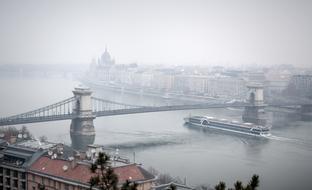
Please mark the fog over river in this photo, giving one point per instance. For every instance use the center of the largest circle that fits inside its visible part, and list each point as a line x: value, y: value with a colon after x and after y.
x: 160, y: 140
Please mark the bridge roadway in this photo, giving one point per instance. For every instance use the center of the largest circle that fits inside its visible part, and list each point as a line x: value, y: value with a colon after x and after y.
x: 144, y: 109
x: 15, y: 120
x: 164, y: 108
x: 38, y: 119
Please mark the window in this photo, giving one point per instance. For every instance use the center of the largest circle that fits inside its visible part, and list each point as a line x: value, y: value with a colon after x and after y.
x: 8, y: 182
x: 7, y: 172
x: 23, y: 185
x: 15, y: 174
x: 15, y: 183
x: 48, y: 182
x: 23, y: 175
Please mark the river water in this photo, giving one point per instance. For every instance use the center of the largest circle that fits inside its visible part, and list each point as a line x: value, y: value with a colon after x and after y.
x: 160, y: 140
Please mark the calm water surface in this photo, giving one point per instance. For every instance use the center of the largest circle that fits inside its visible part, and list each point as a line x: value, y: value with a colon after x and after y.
x: 162, y: 141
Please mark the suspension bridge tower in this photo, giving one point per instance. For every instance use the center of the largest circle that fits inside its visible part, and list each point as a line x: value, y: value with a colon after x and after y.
x: 254, y: 112
x: 82, y: 129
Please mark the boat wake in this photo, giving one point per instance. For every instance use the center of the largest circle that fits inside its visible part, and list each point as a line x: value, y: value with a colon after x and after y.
x: 140, y: 144
x: 273, y: 137
x: 151, y: 139
x: 294, y: 141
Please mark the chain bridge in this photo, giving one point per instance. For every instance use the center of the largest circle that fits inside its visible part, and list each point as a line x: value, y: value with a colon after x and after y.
x: 69, y: 109
x: 82, y: 105
x: 82, y: 109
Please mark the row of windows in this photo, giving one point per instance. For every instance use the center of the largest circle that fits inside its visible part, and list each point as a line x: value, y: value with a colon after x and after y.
x: 49, y: 183
x: 14, y: 184
x: 9, y: 179
x: 13, y: 173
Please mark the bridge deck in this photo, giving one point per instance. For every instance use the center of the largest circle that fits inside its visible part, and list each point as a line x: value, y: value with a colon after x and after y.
x: 63, y: 110
x: 34, y: 119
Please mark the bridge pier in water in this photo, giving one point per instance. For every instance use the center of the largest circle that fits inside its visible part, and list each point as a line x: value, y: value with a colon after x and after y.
x: 82, y: 130
x: 254, y: 113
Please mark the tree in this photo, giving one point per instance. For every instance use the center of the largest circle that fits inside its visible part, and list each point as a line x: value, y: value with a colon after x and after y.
x: 25, y: 132
x: 172, y: 187
x: 254, y: 182
x: 238, y: 185
x: 104, y: 177
x: 220, y: 186
x: 128, y: 185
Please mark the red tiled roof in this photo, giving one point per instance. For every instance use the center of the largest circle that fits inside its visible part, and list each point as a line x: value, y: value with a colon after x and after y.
x: 81, y: 173
x: 45, y: 165
x: 125, y: 172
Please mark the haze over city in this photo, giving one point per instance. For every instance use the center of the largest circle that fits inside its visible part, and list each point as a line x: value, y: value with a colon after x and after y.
x: 155, y: 94
x: 157, y: 32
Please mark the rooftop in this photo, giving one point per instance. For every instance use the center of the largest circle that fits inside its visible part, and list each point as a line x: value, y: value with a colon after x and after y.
x: 81, y: 173
x: 23, y: 154
x: 36, y: 145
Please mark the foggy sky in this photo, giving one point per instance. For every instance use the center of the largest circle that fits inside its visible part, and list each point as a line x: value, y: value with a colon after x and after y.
x: 169, y: 31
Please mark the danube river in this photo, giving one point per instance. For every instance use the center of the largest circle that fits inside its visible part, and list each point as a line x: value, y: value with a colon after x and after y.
x: 162, y: 141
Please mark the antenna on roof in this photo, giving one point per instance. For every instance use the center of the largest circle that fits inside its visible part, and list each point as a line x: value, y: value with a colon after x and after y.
x: 88, y: 155
x: 50, y: 153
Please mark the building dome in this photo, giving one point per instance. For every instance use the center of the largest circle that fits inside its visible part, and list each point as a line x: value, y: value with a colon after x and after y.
x: 106, y: 59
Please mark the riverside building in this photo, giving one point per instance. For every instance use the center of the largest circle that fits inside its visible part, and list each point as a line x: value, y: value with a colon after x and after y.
x: 34, y: 165
x: 58, y: 174
x: 15, y: 161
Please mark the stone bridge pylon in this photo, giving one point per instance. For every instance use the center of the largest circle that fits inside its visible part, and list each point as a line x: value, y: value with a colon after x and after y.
x: 82, y: 128
x: 254, y: 111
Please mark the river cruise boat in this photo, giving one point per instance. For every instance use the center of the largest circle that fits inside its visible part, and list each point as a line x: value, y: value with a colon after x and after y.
x: 225, y: 125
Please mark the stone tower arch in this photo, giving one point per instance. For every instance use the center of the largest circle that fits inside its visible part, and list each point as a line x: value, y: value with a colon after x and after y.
x: 254, y: 112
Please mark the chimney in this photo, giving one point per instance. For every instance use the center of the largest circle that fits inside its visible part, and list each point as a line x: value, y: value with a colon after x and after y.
x: 78, y: 156
x: 74, y: 160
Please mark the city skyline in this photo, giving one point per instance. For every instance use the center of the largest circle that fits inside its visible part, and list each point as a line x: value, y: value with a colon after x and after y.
x: 155, y: 94
x: 157, y: 32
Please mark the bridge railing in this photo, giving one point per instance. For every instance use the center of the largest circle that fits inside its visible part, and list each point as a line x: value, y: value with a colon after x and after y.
x: 17, y: 121
x: 99, y: 104
x: 145, y: 109
x: 64, y: 107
